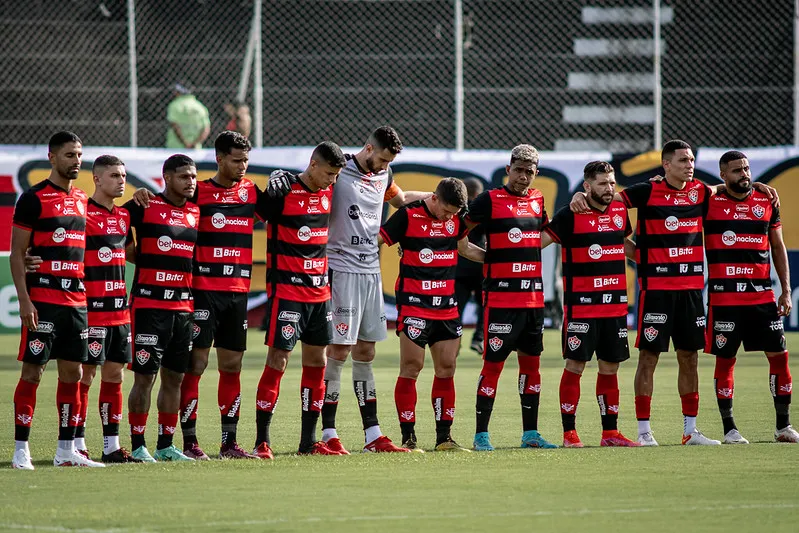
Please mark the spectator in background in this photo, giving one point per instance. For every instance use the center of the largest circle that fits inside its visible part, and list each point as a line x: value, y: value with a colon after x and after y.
x: 469, y: 275
x: 189, y: 125
x: 239, y: 115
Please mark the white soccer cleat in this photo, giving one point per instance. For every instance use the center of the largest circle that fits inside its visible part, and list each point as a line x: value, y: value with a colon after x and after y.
x: 786, y: 434
x: 696, y: 438
x: 647, y: 439
x: 734, y: 437
x: 22, y: 460
x: 75, y: 459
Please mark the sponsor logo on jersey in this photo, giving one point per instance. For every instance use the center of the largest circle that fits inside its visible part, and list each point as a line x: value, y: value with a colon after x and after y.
x: 577, y: 327
x: 60, y: 235
x: 739, y: 271
x: 428, y: 285
x: 305, y: 233
x: 679, y: 252
x: 673, y: 224
x: 515, y: 235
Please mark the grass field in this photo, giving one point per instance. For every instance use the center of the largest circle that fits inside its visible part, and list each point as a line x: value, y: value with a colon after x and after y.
x: 670, y: 488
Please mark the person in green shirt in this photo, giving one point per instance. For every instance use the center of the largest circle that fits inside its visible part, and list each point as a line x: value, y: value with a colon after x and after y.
x: 189, y: 125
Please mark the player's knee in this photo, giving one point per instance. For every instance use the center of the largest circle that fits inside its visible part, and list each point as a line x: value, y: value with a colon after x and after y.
x: 339, y: 352
x: 112, y: 372
x: 32, y: 373
x: 445, y: 369
x: 88, y: 373
x: 575, y: 367
x: 411, y: 369
x: 277, y: 359
x: 364, y: 352
x: 69, y: 371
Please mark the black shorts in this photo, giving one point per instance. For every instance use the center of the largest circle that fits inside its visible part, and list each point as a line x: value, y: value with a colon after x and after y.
x: 758, y: 327
x: 607, y: 337
x: 288, y: 321
x: 161, y: 339
x: 109, y: 343
x: 61, y: 334
x: 426, y: 332
x: 675, y: 315
x: 506, y: 330
x: 220, y: 318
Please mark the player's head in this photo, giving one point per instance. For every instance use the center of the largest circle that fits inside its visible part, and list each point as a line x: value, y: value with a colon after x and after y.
x: 326, y: 163
x: 523, y: 168
x: 448, y: 200
x: 232, y: 155
x: 734, y: 170
x: 382, y: 148
x: 109, y: 175
x: 180, y: 175
x: 65, y: 151
x: 678, y: 160
x: 474, y: 187
x: 599, y: 182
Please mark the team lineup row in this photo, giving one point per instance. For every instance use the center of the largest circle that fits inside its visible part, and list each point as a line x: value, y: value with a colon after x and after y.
x: 192, y: 247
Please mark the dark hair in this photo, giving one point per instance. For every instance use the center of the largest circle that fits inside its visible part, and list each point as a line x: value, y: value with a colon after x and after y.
x: 228, y: 140
x: 474, y: 186
x: 386, y: 138
x: 61, y: 138
x: 452, y: 192
x: 672, y: 146
x: 732, y: 155
x: 524, y: 152
x: 596, y: 167
x: 176, y: 161
x: 107, y: 161
x: 330, y: 153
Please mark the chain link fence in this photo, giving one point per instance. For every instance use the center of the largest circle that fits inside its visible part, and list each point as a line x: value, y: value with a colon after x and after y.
x: 570, y: 75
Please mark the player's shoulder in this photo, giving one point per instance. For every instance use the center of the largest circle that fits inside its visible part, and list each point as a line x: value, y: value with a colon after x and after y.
x: 79, y: 193
x: 617, y: 206
x: 534, y: 193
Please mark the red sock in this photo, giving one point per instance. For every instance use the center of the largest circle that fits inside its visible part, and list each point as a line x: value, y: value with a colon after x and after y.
x: 443, y: 398
x: 312, y: 388
x: 780, y: 379
x: 529, y: 374
x: 24, y: 404
x: 84, y: 402
x: 229, y: 393
x: 690, y: 404
x: 167, y: 422
x: 607, y: 394
x: 138, y: 423
x: 268, y: 389
x: 643, y: 407
x: 110, y: 403
x: 489, y: 378
x: 569, y: 392
x: 189, y: 397
x: 405, y: 399
x: 723, y: 376
x: 68, y: 401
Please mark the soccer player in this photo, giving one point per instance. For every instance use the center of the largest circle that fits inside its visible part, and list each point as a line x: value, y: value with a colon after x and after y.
x: 431, y: 233
x: 741, y: 227
x: 469, y: 275
x: 161, y: 301
x: 512, y: 217
x: 595, y: 310
x: 50, y: 219
x: 298, y: 307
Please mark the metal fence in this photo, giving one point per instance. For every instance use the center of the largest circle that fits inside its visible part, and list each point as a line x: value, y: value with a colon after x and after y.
x: 464, y: 74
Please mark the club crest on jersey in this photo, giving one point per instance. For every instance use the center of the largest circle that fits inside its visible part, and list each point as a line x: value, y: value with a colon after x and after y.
x: 650, y: 333
x: 536, y: 207
x: 758, y: 211
x: 693, y: 195
x: 142, y: 356
x: 573, y: 342
x: 342, y: 328
x: 495, y: 343
x: 95, y: 348
x: 325, y: 203
x: 450, y: 225
x: 243, y: 194
x: 190, y: 219
x: 413, y: 332
x: 721, y: 340
x: 36, y: 346
x: 287, y: 331
x: 618, y: 220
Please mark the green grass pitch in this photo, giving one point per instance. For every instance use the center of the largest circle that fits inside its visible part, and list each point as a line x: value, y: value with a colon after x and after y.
x: 670, y: 488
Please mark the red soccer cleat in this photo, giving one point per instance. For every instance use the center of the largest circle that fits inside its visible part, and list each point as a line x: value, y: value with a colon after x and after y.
x: 335, y: 445
x: 234, y: 451
x: 263, y: 451
x: 383, y: 444
x: 571, y: 439
x: 318, y: 448
x: 614, y: 438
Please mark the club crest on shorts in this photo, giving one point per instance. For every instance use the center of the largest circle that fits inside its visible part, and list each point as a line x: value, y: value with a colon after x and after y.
x: 142, y: 356
x: 573, y: 342
x: 650, y: 333
x: 342, y: 328
x: 758, y: 211
x: 693, y: 195
x: 495, y: 343
x: 721, y: 340
x: 287, y: 331
x: 195, y: 331
x: 36, y: 346
x: 413, y: 332
x: 95, y: 348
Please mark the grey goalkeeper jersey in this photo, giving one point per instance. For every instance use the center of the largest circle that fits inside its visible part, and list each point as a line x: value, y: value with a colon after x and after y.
x: 355, y: 219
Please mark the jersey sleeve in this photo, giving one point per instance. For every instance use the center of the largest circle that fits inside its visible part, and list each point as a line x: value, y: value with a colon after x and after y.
x: 267, y: 207
x: 706, y: 201
x: 463, y: 230
x: 392, y: 190
x: 480, y: 209
x: 628, y: 227
x: 774, y: 222
x: 636, y: 196
x: 136, y: 214
x: 395, y: 227
x: 561, y: 226
x: 27, y: 211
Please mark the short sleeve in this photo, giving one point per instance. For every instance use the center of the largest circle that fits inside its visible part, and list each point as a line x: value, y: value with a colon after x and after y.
x: 636, y: 196
x: 480, y: 209
x: 463, y: 230
x: 706, y: 201
x: 628, y: 227
x: 136, y: 213
x: 395, y: 227
x: 27, y: 211
x: 392, y: 190
x: 561, y: 227
x: 775, y: 222
x: 266, y: 206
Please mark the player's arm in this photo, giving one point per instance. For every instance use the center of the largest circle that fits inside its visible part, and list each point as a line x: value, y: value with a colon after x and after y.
x: 20, y: 242
x: 398, y: 198
x: 130, y: 252
x: 471, y: 251
x: 780, y: 256
x: 768, y: 190
x: 143, y: 196
x: 394, y: 228
x: 279, y: 184
x: 629, y: 249
x: 579, y: 203
x: 32, y: 262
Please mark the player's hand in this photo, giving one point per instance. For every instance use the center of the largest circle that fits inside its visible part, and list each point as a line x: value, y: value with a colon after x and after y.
x: 656, y: 179
x: 142, y: 197
x: 784, y: 304
x: 279, y: 184
x: 32, y: 262
x: 29, y: 315
x: 769, y: 191
x: 579, y: 203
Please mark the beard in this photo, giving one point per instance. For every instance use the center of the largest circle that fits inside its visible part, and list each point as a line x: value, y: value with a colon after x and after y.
x: 601, y: 200
x: 741, y: 188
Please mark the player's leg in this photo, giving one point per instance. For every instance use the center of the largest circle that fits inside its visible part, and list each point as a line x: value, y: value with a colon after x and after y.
x: 88, y: 372
x: 578, y: 340
x: 503, y: 327
x: 337, y: 355
x: 139, y: 399
x: 478, y: 344
x: 150, y: 329
x: 529, y: 349
x: 110, y: 405
x: 411, y: 364
x: 24, y: 406
x: 655, y: 320
x: 781, y: 385
x: 722, y: 339
x: 312, y: 395
x: 444, y: 353
x: 611, y: 350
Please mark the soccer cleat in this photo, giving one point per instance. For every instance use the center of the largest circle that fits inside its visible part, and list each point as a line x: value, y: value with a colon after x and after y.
x: 263, y: 451
x: 335, y: 445
x: 234, y: 451
x: 143, y: 454
x: 533, y: 439
x: 171, y: 453
x: 647, y: 439
x: 410, y: 444
x: 571, y: 439
x: 75, y: 459
x: 195, y: 452
x: 120, y: 456
x: 84, y: 453
x: 696, y: 438
x: 787, y: 434
x: 482, y: 443
x: 318, y: 448
x: 22, y: 460
x: 734, y: 437
x: 381, y: 444
x: 616, y: 439
x: 450, y: 445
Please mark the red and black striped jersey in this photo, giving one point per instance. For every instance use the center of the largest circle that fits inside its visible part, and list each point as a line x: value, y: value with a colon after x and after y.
x: 57, y: 221
x: 738, y: 250
x: 297, y: 227
x: 425, y: 286
x: 669, y: 247
x: 512, y: 266
x: 107, y: 234
x: 223, y: 256
x: 594, y: 266
x: 165, y: 239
